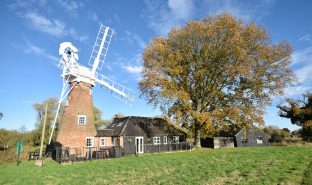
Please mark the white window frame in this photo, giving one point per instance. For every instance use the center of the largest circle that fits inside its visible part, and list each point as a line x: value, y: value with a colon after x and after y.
x: 81, y: 116
x: 165, y: 140
x: 100, y: 141
x: 156, y: 140
x: 175, y: 139
x: 92, y: 141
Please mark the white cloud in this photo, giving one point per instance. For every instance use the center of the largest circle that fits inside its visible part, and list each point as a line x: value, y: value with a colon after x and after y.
x: 181, y: 9
x: 307, y: 38
x: 297, y: 90
x: 134, y: 66
x: 302, y: 64
x: 133, y: 37
x: 52, y: 27
x: 247, y: 10
x: 29, y: 12
x: 30, y: 48
x: 161, y: 17
x: 131, y: 65
x: 76, y: 36
x: 93, y: 17
x: 304, y: 74
x: 134, y: 69
x: 302, y: 67
x: 22, y: 4
x: 70, y: 6
x: 302, y: 56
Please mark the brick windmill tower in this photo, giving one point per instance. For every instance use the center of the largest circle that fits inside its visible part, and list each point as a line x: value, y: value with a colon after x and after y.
x: 77, y: 127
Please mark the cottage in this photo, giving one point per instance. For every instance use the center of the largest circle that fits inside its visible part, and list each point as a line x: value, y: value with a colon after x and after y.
x: 251, y: 136
x: 137, y: 135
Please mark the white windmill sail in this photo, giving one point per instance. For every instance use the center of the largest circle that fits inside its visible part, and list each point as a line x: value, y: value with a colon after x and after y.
x: 100, y: 48
x: 97, y: 60
x: 120, y: 91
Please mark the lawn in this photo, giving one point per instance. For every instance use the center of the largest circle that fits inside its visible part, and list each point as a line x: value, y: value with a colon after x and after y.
x: 262, y: 165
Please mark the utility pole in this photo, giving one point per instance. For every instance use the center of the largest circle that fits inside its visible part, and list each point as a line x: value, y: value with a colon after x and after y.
x: 42, y: 134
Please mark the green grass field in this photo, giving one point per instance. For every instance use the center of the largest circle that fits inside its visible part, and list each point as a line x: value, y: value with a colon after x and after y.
x: 262, y: 165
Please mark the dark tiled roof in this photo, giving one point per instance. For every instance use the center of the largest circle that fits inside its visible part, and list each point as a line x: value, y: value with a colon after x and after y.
x: 104, y: 133
x: 117, y: 126
x: 134, y: 124
x: 251, y: 128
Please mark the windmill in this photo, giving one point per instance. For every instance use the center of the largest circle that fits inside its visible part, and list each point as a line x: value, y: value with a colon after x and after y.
x: 77, y: 127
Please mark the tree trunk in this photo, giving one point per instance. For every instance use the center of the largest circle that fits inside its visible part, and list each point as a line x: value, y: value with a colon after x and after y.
x: 197, y: 136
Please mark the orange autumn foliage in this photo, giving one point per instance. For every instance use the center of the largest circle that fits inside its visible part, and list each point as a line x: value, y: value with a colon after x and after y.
x: 214, y: 73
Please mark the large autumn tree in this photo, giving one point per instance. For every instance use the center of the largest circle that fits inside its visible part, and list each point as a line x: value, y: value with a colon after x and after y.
x: 216, y: 73
x: 299, y: 111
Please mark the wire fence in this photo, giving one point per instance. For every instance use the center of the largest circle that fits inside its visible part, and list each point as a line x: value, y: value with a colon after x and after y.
x: 157, y: 148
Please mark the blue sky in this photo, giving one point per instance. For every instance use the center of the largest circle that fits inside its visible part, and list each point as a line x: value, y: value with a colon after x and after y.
x: 32, y: 30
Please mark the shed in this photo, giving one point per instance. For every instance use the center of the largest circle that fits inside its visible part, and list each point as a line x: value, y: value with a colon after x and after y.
x: 251, y: 136
x: 218, y: 142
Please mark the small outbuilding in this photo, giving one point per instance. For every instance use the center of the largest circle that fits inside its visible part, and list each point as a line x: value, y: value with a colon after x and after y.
x: 247, y: 136
x: 251, y: 136
x: 218, y: 142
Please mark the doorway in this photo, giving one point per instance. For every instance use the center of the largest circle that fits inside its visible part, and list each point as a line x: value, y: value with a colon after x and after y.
x: 139, y: 145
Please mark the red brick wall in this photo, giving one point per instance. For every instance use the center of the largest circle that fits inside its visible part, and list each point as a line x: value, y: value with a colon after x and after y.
x: 71, y: 134
x: 108, y: 141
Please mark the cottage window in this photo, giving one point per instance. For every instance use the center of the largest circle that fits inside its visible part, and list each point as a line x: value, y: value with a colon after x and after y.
x: 259, y: 140
x: 175, y: 139
x: 156, y: 140
x: 102, y: 142
x: 165, y: 139
x: 89, y: 142
x: 82, y: 119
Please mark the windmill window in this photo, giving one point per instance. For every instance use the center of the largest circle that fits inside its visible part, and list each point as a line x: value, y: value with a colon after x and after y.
x: 82, y: 119
x: 175, y: 139
x: 89, y: 142
x: 156, y: 140
x: 102, y: 142
x: 165, y: 139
